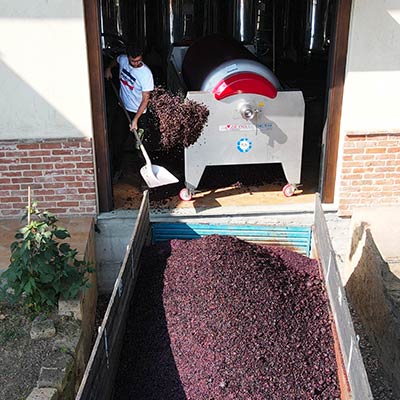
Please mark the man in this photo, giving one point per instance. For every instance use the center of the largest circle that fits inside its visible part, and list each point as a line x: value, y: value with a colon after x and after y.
x: 136, y: 83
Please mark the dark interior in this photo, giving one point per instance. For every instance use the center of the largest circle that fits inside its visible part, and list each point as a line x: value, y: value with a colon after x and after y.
x: 291, y: 38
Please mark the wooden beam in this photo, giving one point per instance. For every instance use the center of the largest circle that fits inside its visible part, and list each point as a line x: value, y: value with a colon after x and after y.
x: 335, y: 97
x: 103, y: 172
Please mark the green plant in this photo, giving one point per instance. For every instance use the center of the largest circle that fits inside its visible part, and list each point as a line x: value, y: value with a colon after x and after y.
x: 43, y: 269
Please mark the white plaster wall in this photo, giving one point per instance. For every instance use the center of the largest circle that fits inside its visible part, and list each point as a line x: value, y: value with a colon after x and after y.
x: 371, y: 98
x: 44, y: 78
x: 372, y: 85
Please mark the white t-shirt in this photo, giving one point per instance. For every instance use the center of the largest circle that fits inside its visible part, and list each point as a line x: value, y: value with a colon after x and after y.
x: 133, y: 82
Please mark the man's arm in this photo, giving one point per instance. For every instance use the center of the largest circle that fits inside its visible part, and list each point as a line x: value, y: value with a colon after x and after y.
x: 107, y: 72
x: 142, y: 107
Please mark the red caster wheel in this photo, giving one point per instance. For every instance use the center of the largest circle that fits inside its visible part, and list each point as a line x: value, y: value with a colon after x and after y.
x: 288, y: 190
x: 185, y: 195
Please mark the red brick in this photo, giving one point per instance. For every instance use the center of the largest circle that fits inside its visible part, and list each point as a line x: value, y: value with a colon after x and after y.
x: 21, y: 205
x: 375, y: 150
x: 373, y: 175
x: 19, y: 167
x: 10, y: 187
x: 354, y: 138
x: 47, y: 145
x: 64, y: 178
x: 11, y: 174
x: 385, y: 169
x: 70, y: 143
x: 27, y: 146
x: 52, y: 159
x: 62, y: 152
x: 352, y: 176
x: 393, y: 162
x: 353, y: 151
x: 22, y: 180
x: 32, y: 160
x: 57, y: 211
x: 83, y: 151
x: 44, y: 192
x: 64, y: 165
x: 85, y: 190
x: 63, y: 190
x: 38, y: 153
x: 392, y: 175
x: 364, y: 157
x: 393, y: 150
x: 365, y: 183
x: 55, y: 198
x: 347, y: 189
x: 86, y: 178
x: 9, y: 213
x: 386, y: 143
x: 86, y: 203
x: 43, y: 166
x: 385, y: 156
x: 360, y: 170
x: 67, y: 204
x: 11, y: 199
x: 86, y: 143
x: 32, y: 173
x: 72, y: 158
x: 73, y: 184
x: 15, y: 154
x: 353, y: 164
x: 54, y: 185
x: 347, y: 158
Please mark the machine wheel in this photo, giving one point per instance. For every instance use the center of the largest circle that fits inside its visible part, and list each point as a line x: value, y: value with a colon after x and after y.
x: 185, y: 195
x: 288, y: 190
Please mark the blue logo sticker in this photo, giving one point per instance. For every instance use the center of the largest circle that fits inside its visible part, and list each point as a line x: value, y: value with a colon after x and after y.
x: 244, y: 145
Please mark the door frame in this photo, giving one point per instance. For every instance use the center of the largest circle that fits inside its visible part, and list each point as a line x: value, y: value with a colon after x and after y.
x: 96, y: 80
x: 336, y: 78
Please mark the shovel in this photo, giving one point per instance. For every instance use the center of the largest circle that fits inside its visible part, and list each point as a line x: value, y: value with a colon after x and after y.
x: 154, y: 175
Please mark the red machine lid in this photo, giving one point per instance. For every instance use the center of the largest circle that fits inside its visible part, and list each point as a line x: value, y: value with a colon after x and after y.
x: 244, y: 82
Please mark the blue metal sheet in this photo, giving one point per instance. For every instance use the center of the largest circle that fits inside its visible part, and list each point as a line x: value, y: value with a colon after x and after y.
x: 297, y: 238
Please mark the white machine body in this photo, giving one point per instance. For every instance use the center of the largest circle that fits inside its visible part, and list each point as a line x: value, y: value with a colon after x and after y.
x: 243, y: 128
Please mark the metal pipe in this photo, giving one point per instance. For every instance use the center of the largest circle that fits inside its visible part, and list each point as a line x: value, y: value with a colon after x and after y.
x: 273, y: 36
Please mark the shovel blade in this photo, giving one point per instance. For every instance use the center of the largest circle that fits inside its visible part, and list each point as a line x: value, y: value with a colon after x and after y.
x: 157, y: 176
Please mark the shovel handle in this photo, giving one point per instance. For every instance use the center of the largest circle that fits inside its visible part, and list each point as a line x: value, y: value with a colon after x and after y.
x: 144, y: 152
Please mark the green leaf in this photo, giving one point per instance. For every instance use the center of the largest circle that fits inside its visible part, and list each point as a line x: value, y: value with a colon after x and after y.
x: 64, y: 248
x: 41, y: 267
x: 61, y: 233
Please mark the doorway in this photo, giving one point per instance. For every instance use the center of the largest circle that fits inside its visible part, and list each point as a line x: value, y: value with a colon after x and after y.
x: 312, y: 62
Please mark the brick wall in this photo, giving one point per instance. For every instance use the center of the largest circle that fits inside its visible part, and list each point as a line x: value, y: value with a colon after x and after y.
x: 371, y: 171
x: 60, y: 173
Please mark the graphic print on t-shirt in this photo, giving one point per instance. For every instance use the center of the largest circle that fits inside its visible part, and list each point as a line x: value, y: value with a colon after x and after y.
x: 127, y: 79
x: 134, y: 81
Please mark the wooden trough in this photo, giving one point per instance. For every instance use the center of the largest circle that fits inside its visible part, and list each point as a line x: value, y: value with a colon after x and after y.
x: 99, y: 376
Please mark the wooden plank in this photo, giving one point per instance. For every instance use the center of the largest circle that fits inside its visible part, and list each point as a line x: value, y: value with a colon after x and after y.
x: 352, y: 360
x: 99, y: 376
